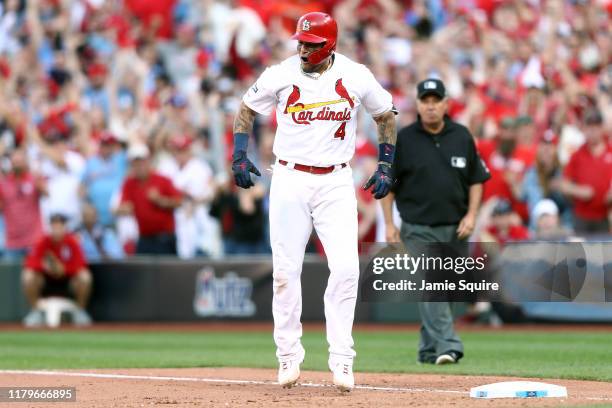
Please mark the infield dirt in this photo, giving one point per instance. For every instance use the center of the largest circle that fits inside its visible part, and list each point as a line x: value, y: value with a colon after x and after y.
x: 418, y: 390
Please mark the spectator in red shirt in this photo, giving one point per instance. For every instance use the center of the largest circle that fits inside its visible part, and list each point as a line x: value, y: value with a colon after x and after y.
x: 20, y: 192
x: 56, y: 264
x: 588, y: 179
x: 151, y: 198
x: 506, y: 225
x: 507, y: 161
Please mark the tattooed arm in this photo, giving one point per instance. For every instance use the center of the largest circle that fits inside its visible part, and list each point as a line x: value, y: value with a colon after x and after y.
x: 381, y: 180
x: 387, y: 132
x: 243, y: 122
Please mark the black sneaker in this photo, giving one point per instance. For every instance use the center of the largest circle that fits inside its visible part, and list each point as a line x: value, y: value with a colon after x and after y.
x: 426, y: 360
x: 447, y: 358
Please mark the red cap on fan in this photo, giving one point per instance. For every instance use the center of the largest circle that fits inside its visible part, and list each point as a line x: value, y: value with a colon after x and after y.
x: 317, y: 27
x: 107, y: 138
x: 97, y: 69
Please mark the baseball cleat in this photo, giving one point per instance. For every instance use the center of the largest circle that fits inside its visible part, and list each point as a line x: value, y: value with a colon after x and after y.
x: 81, y: 318
x: 34, y: 319
x: 447, y: 358
x: 288, y: 373
x: 426, y: 360
x: 343, y: 377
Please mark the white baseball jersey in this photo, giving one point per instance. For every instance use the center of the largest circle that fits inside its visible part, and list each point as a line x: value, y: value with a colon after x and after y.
x: 317, y: 117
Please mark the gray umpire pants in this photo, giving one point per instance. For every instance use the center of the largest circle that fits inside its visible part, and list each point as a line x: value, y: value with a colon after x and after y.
x: 437, y: 332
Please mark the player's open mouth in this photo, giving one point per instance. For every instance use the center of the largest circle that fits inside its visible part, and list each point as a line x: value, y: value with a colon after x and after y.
x: 305, y: 59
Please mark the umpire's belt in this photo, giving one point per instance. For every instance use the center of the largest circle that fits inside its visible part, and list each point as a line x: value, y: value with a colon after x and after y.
x: 312, y: 169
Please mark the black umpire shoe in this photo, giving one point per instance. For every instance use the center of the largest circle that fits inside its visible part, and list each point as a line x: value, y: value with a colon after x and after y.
x: 426, y: 360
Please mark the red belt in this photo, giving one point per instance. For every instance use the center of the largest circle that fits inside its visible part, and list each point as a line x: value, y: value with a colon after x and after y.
x: 312, y: 169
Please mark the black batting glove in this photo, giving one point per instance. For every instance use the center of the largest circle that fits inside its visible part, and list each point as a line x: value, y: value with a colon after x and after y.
x: 381, y: 180
x: 241, y: 167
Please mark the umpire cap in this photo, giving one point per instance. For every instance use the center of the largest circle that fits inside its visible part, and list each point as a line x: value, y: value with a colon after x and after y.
x: 431, y: 86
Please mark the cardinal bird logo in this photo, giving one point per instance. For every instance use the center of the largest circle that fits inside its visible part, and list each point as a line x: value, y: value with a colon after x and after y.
x: 341, y: 90
x: 304, y: 114
x: 293, y: 98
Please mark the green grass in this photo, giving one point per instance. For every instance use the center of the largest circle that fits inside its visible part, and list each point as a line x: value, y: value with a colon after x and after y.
x: 572, y: 355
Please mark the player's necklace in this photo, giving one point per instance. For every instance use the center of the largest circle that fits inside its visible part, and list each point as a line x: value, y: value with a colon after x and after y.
x: 316, y: 75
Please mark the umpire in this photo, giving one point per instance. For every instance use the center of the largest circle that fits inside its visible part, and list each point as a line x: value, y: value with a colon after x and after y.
x: 438, y: 189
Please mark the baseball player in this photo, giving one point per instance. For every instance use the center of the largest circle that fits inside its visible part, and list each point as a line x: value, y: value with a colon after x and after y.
x: 316, y: 94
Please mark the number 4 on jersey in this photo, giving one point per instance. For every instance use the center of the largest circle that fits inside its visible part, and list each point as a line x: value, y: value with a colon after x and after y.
x: 340, y: 133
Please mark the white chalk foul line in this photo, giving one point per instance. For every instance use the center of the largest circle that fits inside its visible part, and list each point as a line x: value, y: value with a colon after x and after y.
x: 213, y: 380
x: 132, y: 377
x: 228, y: 381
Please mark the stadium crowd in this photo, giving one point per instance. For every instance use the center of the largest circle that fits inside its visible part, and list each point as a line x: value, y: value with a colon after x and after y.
x: 118, y: 114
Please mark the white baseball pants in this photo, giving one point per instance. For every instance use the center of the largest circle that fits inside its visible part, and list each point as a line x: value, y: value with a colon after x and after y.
x: 299, y: 201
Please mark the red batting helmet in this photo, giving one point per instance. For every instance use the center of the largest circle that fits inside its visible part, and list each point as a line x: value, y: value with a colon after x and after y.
x: 317, y: 28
